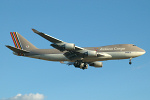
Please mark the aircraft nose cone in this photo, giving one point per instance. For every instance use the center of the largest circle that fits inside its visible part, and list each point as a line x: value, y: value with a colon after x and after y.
x: 143, y: 52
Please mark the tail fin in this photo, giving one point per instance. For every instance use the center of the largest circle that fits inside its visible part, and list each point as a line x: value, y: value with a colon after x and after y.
x: 21, y: 43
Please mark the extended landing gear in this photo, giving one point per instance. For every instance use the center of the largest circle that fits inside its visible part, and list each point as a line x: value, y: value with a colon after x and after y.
x: 80, y: 64
x: 130, y: 61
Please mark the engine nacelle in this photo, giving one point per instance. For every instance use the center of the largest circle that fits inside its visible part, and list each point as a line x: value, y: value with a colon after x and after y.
x: 91, y: 53
x: 64, y: 46
x: 69, y: 46
x: 96, y: 64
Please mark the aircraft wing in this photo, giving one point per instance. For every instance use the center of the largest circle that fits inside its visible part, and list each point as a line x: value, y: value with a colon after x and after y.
x: 49, y: 38
x: 56, y: 42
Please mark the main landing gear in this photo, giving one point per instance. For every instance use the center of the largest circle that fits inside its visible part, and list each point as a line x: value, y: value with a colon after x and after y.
x: 130, y: 61
x: 80, y: 64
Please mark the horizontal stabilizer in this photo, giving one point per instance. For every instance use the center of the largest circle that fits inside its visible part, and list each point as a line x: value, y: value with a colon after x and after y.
x: 16, y: 49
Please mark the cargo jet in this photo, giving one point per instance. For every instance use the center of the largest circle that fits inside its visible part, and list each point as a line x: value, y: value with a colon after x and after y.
x: 69, y: 53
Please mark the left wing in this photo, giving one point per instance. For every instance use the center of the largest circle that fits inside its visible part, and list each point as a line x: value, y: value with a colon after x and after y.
x: 58, y: 44
x: 49, y: 38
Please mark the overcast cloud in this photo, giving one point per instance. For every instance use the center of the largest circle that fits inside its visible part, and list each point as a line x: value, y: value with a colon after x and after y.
x: 27, y: 97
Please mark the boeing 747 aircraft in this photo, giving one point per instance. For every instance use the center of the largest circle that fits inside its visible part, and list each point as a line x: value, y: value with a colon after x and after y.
x: 72, y: 54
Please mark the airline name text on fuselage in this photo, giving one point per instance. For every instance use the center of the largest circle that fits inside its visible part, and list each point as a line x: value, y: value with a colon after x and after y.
x: 115, y: 48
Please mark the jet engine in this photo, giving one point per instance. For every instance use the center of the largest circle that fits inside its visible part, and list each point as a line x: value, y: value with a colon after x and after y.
x: 64, y: 46
x: 90, y: 53
x: 69, y: 46
x: 96, y: 64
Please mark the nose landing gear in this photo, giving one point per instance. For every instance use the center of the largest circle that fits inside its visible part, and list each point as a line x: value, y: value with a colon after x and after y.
x: 130, y: 61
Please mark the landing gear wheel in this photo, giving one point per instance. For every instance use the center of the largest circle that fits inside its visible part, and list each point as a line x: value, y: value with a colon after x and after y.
x: 80, y: 64
x: 77, y: 63
x: 85, y: 66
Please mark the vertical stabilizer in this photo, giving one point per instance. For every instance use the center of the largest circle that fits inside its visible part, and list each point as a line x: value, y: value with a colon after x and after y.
x: 21, y: 43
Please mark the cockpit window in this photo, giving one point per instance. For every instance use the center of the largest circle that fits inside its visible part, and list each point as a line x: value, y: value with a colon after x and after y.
x: 134, y: 45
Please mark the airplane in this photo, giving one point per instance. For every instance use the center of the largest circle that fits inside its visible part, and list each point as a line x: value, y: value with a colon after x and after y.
x: 68, y: 52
